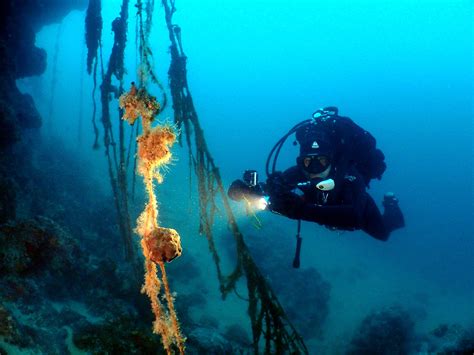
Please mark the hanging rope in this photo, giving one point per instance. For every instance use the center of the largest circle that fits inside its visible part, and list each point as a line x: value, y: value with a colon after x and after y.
x: 54, y: 79
x: 93, y: 31
x: 81, y: 100
x: 269, y: 322
x: 115, y: 155
x: 159, y: 244
x: 93, y: 37
x: 145, y: 69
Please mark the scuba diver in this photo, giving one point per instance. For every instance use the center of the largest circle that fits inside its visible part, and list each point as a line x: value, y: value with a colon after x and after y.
x: 337, y: 159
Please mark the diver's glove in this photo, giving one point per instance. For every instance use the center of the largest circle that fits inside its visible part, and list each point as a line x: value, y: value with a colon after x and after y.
x: 288, y: 204
x: 238, y: 190
x: 281, y: 199
x: 276, y: 184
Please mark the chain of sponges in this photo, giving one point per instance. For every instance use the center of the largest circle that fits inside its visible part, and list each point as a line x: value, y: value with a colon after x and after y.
x: 159, y: 244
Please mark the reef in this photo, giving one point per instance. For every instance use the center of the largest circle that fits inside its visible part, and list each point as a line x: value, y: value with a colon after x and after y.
x: 48, y: 282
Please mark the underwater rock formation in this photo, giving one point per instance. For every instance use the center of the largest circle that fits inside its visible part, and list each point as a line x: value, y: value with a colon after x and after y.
x: 448, y: 339
x: 33, y: 246
x: 37, y: 263
x: 19, y: 57
x: 387, y: 331
x: 7, y: 200
x: 208, y: 341
x: 122, y: 335
x: 49, y: 283
x: 17, y: 112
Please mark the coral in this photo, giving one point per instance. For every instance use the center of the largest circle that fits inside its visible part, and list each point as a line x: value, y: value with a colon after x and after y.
x: 159, y: 244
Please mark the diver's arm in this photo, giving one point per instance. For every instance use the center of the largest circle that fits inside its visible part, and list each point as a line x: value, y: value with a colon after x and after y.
x: 294, y: 207
x: 286, y: 180
x: 293, y: 176
x: 349, y: 214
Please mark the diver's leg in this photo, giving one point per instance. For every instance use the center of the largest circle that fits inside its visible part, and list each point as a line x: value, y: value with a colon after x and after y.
x: 393, y: 216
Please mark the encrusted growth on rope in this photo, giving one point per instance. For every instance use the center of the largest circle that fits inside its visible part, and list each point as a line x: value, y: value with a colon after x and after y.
x: 159, y: 244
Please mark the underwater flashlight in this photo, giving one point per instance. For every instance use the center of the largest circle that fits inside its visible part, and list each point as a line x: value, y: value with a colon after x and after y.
x: 261, y: 203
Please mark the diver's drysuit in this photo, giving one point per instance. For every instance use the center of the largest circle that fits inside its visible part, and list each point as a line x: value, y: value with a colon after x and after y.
x: 346, y: 207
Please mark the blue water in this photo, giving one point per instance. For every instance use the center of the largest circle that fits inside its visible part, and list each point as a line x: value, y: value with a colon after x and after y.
x: 402, y: 70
